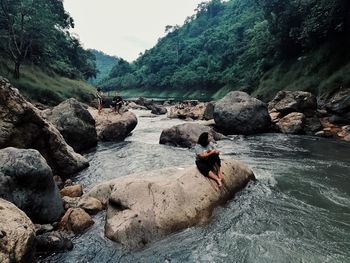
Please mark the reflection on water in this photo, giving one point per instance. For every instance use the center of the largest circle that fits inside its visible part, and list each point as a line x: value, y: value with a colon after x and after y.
x: 298, y: 211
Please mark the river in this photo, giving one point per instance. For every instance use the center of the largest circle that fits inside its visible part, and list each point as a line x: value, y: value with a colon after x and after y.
x: 298, y: 211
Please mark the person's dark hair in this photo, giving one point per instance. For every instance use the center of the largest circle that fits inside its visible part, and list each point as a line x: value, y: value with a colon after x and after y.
x: 98, y: 89
x: 203, y: 139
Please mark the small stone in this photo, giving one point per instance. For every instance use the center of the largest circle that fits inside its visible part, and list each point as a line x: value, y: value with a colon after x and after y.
x: 72, y: 191
x: 90, y: 205
x: 76, y: 220
x: 58, y: 181
x: 70, y: 202
x: 68, y: 182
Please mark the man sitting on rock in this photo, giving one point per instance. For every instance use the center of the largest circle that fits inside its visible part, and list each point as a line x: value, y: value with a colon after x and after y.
x: 117, y: 103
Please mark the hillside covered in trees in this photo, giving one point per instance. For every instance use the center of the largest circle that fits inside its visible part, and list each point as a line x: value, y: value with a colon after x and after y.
x: 39, y: 55
x: 259, y: 46
x: 104, y: 64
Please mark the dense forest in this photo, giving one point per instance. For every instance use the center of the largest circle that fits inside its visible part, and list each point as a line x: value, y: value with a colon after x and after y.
x: 104, y: 64
x: 259, y: 46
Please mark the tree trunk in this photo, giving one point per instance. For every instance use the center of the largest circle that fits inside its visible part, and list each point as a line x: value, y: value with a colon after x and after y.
x: 16, y: 70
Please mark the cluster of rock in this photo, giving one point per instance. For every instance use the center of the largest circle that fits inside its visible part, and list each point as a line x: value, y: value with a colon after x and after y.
x: 154, y: 107
x: 191, y: 110
x: 27, y: 182
x: 22, y: 126
x: 37, y: 149
x: 297, y: 112
x: 290, y: 112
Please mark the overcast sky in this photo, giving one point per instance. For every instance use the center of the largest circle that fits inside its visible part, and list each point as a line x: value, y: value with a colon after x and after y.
x: 124, y: 28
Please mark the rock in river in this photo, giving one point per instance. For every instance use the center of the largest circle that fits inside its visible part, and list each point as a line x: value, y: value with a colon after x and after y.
x: 21, y: 126
x: 119, y: 128
x: 145, y: 207
x: 186, y: 135
x: 17, y: 235
x: 26, y: 180
x: 75, y: 123
x: 239, y: 113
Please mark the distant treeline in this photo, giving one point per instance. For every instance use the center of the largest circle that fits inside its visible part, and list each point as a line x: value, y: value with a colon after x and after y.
x: 233, y: 43
x: 36, y: 32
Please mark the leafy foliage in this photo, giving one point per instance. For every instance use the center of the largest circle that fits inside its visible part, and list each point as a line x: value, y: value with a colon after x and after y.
x: 35, y: 31
x: 231, y: 44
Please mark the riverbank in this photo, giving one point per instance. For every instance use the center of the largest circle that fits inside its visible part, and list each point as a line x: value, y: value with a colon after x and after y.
x: 50, y: 89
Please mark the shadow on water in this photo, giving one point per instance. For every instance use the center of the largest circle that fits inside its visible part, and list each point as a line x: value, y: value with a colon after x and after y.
x: 298, y: 211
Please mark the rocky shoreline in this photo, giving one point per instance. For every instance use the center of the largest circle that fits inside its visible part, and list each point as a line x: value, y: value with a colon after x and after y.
x: 40, y: 151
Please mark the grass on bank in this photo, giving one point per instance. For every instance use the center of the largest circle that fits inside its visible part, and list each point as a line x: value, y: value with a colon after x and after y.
x: 47, y: 87
x: 322, y: 72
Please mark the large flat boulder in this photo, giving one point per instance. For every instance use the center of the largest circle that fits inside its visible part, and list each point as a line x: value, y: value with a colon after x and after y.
x: 27, y: 181
x: 17, y: 235
x: 75, y: 123
x: 186, y: 135
x: 21, y: 126
x: 146, y: 207
x: 117, y: 129
x: 239, y: 113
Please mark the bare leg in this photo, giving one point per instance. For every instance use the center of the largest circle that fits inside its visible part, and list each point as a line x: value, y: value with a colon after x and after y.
x: 219, y: 173
x: 215, y: 178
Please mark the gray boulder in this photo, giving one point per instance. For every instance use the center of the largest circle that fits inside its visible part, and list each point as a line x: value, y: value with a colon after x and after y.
x: 186, y: 135
x: 158, y: 110
x: 239, y: 113
x: 119, y: 129
x: 145, y: 207
x: 75, y: 123
x: 26, y: 180
x: 21, y: 126
x: 209, y: 111
x: 339, y: 103
x: 286, y: 102
x: 293, y: 123
x: 17, y: 235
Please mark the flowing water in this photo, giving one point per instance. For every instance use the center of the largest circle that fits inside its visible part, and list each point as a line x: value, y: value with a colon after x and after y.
x: 297, y: 211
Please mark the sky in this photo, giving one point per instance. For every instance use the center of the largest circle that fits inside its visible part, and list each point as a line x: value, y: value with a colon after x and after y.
x: 125, y: 28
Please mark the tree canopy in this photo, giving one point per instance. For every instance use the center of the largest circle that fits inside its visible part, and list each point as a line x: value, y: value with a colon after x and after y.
x: 36, y: 31
x: 233, y: 43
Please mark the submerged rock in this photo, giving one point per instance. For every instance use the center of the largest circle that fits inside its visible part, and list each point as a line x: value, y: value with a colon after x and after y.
x: 21, y: 126
x: 56, y: 241
x: 145, y: 207
x: 75, y: 123
x: 239, y: 113
x: 17, y: 235
x: 186, y: 135
x: 26, y: 180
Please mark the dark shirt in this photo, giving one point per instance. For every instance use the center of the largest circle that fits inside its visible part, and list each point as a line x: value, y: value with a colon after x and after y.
x: 117, y: 100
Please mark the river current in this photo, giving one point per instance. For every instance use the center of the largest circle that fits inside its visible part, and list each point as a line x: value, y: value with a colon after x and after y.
x: 297, y: 211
